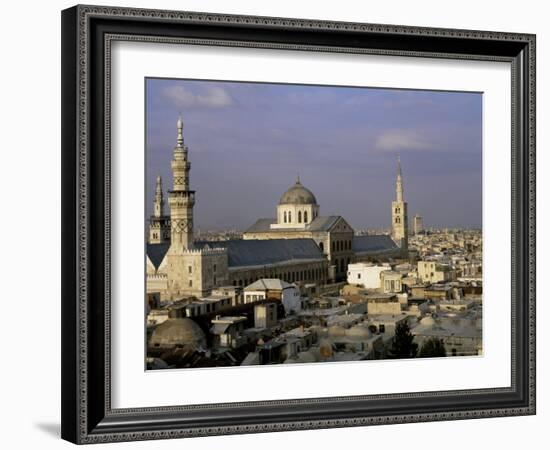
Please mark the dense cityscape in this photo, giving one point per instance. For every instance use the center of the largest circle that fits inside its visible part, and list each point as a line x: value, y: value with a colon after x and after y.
x: 303, y: 287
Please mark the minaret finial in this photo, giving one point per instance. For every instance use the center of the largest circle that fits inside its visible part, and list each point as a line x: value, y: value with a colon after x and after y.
x: 180, y: 132
x: 399, y: 164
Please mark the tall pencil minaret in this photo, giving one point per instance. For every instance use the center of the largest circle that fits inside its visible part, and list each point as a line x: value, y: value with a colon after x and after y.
x: 180, y: 197
x: 400, y: 226
x: 159, y: 223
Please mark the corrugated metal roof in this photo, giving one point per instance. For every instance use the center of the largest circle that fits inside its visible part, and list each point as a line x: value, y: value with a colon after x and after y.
x: 268, y: 283
x: 373, y: 243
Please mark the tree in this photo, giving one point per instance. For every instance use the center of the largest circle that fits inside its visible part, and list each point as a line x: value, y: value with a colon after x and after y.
x: 403, y: 345
x: 432, y: 348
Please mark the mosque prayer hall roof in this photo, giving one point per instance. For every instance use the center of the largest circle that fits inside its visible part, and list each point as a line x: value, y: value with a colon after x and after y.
x: 373, y: 243
x: 320, y: 223
x: 250, y: 253
x: 156, y: 252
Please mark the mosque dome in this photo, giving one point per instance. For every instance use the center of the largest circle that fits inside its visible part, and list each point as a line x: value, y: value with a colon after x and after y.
x: 178, y: 332
x: 298, y: 195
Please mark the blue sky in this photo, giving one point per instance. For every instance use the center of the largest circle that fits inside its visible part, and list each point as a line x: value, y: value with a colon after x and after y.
x: 247, y: 142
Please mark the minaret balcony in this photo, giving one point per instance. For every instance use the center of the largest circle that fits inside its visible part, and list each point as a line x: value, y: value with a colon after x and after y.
x: 183, y: 196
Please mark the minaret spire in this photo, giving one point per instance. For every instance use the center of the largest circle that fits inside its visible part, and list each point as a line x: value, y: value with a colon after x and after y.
x: 159, y: 198
x: 399, y: 182
x: 159, y: 223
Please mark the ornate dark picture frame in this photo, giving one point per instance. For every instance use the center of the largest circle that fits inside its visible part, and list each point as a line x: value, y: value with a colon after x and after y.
x: 87, y: 33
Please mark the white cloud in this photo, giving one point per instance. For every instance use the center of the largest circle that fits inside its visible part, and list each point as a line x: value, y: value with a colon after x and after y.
x: 402, y: 139
x: 212, y: 97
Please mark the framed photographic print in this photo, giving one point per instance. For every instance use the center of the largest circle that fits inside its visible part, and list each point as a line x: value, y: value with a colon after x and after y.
x: 282, y: 224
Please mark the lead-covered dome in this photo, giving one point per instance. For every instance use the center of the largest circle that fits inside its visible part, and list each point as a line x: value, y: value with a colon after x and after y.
x: 298, y: 195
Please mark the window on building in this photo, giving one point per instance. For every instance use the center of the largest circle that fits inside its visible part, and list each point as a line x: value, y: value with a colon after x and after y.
x: 398, y: 220
x: 190, y: 283
x: 289, y: 217
x: 382, y: 328
x: 214, y: 267
x: 285, y: 217
x: 321, y: 247
x: 299, y: 216
x: 305, y: 216
x: 358, y: 276
x: 190, y: 269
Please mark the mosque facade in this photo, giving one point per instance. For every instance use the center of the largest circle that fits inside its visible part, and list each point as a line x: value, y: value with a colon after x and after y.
x: 298, y: 245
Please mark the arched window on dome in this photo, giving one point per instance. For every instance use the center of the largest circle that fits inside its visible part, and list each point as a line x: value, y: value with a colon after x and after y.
x: 289, y: 217
x: 285, y: 216
x: 305, y: 216
x: 299, y: 216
